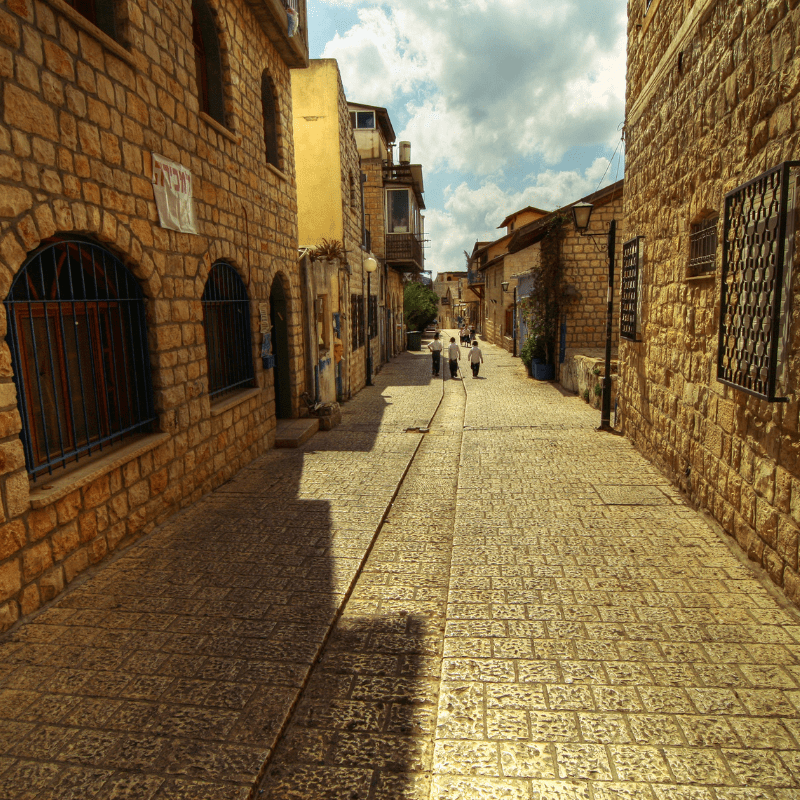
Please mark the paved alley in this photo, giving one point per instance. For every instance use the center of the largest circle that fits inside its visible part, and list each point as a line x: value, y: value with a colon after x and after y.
x: 504, y: 604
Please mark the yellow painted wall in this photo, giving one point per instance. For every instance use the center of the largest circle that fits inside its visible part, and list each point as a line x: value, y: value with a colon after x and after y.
x: 315, y: 110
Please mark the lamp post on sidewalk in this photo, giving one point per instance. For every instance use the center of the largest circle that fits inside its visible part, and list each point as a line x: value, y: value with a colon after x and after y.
x: 370, y: 265
x: 581, y: 214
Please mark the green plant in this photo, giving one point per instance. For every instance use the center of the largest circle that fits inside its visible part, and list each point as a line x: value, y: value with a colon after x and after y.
x: 533, y: 348
x: 542, y: 308
x: 328, y: 249
x: 420, y: 305
x: 598, y: 390
x: 596, y: 370
x: 586, y: 395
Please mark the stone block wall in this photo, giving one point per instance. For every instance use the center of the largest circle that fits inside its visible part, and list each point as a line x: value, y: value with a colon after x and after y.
x: 713, y: 101
x: 585, y: 261
x: 81, y: 116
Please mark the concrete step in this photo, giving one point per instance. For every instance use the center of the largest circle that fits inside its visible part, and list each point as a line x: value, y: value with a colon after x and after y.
x: 294, y: 432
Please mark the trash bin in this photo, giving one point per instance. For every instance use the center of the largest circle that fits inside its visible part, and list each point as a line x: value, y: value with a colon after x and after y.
x: 414, y: 340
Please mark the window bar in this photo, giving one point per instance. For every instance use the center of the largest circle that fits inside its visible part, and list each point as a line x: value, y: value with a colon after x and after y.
x: 100, y: 386
x: 233, y: 295
x: 130, y: 293
x: 31, y: 423
x: 90, y: 337
x: 52, y: 365
x: 67, y: 382
x: 75, y: 339
x: 123, y: 366
x: 226, y: 332
x: 17, y: 364
x: 111, y: 366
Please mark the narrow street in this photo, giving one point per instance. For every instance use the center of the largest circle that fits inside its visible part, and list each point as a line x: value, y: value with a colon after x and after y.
x: 463, y: 592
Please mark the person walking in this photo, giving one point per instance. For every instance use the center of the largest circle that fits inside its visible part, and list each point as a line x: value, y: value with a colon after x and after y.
x: 475, y: 358
x: 436, y: 352
x: 454, y: 355
x: 464, y: 333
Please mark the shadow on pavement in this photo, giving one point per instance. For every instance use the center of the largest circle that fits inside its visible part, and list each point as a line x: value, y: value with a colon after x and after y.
x: 170, y: 672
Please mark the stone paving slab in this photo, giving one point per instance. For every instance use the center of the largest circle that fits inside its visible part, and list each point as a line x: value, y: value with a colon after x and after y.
x: 171, y: 671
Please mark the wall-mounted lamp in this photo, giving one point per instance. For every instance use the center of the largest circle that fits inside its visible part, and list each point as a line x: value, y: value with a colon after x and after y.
x: 504, y: 284
x: 581, y: 214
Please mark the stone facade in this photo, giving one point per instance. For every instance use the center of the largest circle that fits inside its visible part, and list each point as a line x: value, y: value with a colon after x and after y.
x: 585, y: 268
x: 713, y: 100
x: 82, y: 114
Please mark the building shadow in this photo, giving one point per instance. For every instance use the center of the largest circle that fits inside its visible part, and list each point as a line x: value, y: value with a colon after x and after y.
x: 171, y: 670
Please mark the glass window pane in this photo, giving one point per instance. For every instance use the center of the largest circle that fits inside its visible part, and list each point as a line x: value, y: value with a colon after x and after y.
x: 398, y: 210
x: 365, y: 119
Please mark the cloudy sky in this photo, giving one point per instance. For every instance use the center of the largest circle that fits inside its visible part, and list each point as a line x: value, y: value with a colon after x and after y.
x: 506, y: 103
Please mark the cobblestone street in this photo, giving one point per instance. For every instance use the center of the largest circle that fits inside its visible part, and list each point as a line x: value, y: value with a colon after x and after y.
x: 463, y: 592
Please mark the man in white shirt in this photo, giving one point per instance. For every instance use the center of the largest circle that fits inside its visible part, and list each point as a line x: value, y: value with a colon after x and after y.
x: 475, y: 358
x: 436, y: 352
x: 454, y: 354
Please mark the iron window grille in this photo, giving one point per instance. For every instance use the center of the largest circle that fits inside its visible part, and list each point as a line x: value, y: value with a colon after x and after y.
x: 357, y: 320
x: 78, y: 341
x: 226, y: 323
x: 630, y: 305
x: 756, y: 278
x: 703, y: 246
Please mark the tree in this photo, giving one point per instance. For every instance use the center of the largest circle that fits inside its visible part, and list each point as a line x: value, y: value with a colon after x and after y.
x: 420, y: 306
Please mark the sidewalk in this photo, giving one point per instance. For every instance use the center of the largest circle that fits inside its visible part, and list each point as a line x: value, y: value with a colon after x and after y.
x: 599, y: 641
x: 539, y: 617
x: 170, y: 672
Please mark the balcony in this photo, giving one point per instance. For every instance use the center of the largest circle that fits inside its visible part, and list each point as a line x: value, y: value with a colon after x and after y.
x: 404, y: 247
x: 474, y: 277
x: 273, y: 18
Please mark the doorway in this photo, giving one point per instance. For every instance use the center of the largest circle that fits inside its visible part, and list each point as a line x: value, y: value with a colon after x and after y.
x: 280, y: 349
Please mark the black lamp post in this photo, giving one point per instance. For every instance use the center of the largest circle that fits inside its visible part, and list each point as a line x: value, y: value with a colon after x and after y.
x: 370, y: 265
x: 581, y: 213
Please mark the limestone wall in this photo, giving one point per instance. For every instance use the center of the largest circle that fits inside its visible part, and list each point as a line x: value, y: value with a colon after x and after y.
x: 81, y: 116
x: 712, y: 102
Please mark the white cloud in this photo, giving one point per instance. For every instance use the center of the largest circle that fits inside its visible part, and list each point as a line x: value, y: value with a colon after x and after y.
x: 472, y: 215
x: 485, y: 82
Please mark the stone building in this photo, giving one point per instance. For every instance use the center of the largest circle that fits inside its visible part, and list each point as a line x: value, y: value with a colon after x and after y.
x: 584, y: 261
x: 393, y: 206
x: 341, y: 313
x: 488, y: 271
x: 447, y: 286
x: 148, y: 261
x: 708, y: 360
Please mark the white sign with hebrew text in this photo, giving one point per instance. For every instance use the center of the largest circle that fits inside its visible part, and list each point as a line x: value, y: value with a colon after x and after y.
x: 172, y: 187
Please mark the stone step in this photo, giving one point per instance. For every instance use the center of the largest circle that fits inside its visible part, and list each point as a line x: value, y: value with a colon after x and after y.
x: 294, y: 432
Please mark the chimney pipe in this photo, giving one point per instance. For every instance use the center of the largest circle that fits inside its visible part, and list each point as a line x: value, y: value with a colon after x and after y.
x: 405, y: 152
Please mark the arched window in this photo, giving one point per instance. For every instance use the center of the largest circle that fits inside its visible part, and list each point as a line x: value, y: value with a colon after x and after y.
x: 76, y: 329
x: 208, y: 61
x: 270, y: 111
x: 98, y: 12
x: 226, y: 322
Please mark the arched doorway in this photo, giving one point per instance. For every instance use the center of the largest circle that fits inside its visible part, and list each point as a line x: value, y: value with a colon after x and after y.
x: 280, y: 349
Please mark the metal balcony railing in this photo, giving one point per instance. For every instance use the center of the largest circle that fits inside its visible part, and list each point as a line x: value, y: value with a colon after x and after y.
x: 404, y: 247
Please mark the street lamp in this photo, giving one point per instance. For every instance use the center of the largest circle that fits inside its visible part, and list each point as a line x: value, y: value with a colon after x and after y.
x: 581, y: 214
x: 370, y: 265
x: 504, y: 284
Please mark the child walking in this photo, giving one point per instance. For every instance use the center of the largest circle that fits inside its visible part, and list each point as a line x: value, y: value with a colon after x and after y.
x: 454, y: 356
x: 475, y: 358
